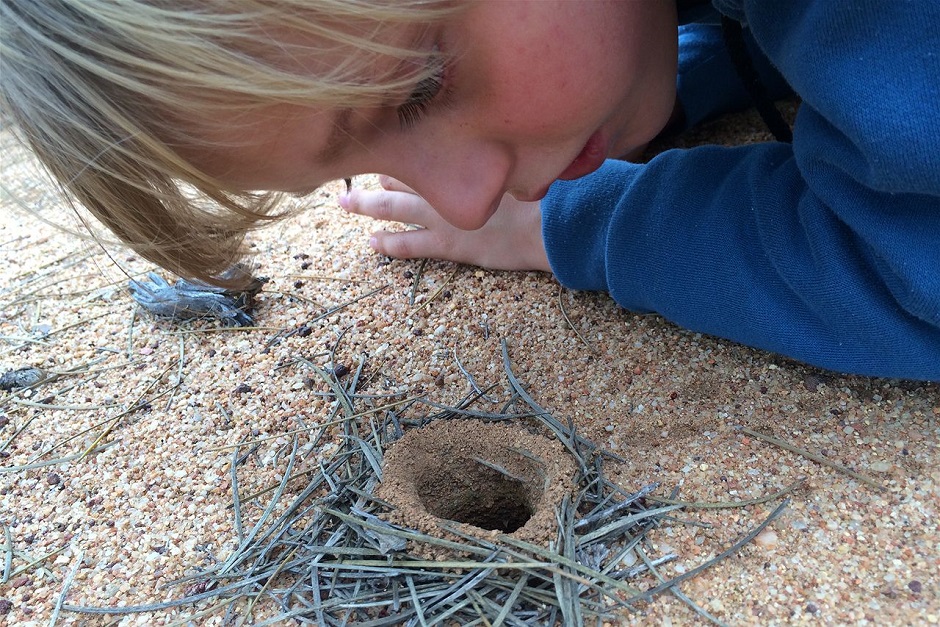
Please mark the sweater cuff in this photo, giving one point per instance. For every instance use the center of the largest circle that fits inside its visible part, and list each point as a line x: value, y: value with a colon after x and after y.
x: 576, y: 218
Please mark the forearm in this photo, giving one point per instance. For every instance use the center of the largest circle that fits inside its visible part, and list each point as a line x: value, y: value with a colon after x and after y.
x: 734, y: 243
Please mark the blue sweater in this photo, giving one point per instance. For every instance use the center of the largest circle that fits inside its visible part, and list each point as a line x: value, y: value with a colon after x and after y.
x: 826, y: 250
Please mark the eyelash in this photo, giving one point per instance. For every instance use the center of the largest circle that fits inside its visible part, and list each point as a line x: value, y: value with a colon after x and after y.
x: 427, y: 89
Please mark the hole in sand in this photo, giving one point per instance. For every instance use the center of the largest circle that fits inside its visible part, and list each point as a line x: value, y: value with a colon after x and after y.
x: 473, y: 493
x: 491, y: 477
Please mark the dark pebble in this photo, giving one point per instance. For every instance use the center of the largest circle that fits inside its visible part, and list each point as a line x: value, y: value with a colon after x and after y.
x: 811, y: 608
x: 812, y: 382
x: 5, y: 606
x: 340, y: 371
x: 915, y: 586
x: 53, y: 479
x: 242, y: 389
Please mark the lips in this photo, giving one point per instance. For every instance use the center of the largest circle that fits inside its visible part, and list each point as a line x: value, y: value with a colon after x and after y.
x: 590, y: 158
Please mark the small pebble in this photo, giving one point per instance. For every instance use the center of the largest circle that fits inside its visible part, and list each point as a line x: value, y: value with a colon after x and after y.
x: 53, y: 479
x: 915, y: 586
x: 766, y: 539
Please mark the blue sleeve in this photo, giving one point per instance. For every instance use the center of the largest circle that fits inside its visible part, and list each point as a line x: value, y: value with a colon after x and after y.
x: 708, y: 84
x: 828, y: 250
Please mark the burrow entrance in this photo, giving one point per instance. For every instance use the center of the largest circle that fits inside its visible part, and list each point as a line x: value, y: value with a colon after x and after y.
x: 487, y: 477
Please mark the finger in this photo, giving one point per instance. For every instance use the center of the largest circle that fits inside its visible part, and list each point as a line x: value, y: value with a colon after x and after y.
x: 394, y: 185
x: 390, y: 206
x: 416, y: 244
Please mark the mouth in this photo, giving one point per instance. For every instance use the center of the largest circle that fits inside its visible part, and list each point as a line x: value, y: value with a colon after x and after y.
x: 590, y: 158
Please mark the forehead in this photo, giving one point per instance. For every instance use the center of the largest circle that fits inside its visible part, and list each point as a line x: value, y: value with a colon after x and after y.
x: 338, y: 91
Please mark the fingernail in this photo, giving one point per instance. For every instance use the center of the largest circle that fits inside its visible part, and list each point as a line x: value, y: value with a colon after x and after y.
x: 344, y: 200
x: 373, y: 242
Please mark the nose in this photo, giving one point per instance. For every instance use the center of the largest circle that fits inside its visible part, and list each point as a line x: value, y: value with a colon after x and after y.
x: 464, y: 181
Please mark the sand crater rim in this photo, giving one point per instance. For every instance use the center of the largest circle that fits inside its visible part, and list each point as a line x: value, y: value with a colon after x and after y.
x: 489, y: 478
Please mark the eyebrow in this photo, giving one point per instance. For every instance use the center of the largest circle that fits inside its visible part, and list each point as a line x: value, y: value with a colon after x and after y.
x: 338, y: 139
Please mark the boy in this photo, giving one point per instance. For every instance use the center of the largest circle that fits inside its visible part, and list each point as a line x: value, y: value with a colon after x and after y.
x: 826, y: 250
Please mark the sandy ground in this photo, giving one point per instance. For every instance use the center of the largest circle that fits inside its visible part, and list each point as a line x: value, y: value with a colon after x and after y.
x: 151, y: 503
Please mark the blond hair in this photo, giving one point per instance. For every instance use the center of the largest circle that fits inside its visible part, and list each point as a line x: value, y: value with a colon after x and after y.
x: 102, y: 90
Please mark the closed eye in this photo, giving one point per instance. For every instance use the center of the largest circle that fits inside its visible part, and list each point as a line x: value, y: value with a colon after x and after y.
x: 413, y: 109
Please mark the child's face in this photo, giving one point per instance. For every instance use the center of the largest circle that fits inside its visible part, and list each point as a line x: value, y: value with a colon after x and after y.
x: 536, y: 91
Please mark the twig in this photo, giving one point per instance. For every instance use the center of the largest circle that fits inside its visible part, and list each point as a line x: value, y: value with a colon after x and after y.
x: 438, y: 291
x: 416, y: 281
x: 730, y: 504
x: 819, y: 459
x: 561, y: 305
x: 65, y: 589
x: 649, y: 594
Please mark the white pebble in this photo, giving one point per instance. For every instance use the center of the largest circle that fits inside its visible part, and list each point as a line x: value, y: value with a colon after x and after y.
x: 766, y: 539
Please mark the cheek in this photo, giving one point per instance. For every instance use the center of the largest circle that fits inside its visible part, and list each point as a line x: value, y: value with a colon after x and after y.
x: 539, y: 98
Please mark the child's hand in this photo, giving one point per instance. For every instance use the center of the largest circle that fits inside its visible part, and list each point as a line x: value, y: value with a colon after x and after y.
x: 510, y: 240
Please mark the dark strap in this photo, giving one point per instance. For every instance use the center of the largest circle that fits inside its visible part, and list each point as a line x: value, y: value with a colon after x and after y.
x: 734, y: 40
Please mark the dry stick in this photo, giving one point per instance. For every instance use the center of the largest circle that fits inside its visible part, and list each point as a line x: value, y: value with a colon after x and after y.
x: 33, y: 562
x: 65, y: 589
x: 53, y: 376
x: 649, y: 594
x: 819, y: 459
x: 322, y: 277
x: 561, y: 305
x: 36, y: 296
x: 36, y: 277
x: 179, y: 374
x: 675, y: 589
x: 78, y: 435
x: 417, y: 279
x: 134, y: 406
x: 19, y: 431
x: 78, y: 323
x: 332, y: 311
x: 53, y: 462
x: 570, y: 443
x: 730, y: 504
x: 223, y: 330
x: 277, y: 571
x: 130, y: 332
x: 317, y: 426
x: 88, y: 290
x: 438, y: 291
x: 236, y: 501
x: 473, y: 383
x: 7, y: 554
x: 39, y: 405
x: 189, y: 620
